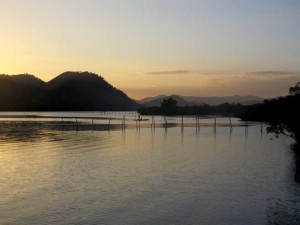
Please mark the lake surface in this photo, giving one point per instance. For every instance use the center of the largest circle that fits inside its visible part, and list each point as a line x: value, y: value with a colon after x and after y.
x: 61, y: 174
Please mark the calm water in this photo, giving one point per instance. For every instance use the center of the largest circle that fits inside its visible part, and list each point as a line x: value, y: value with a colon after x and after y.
x: 50, y: 175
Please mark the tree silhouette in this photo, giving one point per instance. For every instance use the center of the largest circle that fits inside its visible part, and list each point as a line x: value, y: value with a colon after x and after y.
x: 169, y: 106
x: 295, y: 90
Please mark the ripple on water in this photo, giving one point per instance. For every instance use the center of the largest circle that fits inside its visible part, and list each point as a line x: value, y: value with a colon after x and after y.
x: 50, y: 176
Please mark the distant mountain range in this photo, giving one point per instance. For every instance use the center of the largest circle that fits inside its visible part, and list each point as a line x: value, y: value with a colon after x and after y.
x: 84, y: 91
x: 198, y: 101
x: 70, y: 91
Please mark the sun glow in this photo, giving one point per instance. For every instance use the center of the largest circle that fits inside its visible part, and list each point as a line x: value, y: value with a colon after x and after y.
x: 184, y: 48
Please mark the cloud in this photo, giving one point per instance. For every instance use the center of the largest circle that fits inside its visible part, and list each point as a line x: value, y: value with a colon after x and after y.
x: 258, y: 73
x: 170, y: 72
x: 271, y: 72
x: 176, y: 72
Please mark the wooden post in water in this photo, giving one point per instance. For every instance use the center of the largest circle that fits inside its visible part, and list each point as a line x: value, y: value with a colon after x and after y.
x: 182, y: 122
x: 246, y: 127
x: 122, y: 120
x: 92, y: 124
x: 166, y: 122
x: 198, y: 124
x: 153, y: 123
x: 261, y: 127
x: 215, y: 124
x: 139, y: 121
x: 76, y: 123
x: 109, y: 123
x: 124, y: 125
x: 230, y: 123
x: 136, y: 123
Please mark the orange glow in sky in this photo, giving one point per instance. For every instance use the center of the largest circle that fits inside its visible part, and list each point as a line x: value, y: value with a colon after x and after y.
x: 147, y: 48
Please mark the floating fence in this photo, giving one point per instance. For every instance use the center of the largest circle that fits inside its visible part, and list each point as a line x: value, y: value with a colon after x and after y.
x: 119, y: 120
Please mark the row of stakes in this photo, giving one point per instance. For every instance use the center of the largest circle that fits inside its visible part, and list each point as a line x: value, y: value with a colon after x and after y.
x: 123, y: 124
x: 138, y: 123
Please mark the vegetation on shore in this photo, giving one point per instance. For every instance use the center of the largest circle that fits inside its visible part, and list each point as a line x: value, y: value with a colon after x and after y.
x: 169, y: 107
x: 282, y: 114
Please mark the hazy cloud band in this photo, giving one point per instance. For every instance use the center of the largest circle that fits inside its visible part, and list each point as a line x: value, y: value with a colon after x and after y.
x: 270, y: 72
x: 169, y: 72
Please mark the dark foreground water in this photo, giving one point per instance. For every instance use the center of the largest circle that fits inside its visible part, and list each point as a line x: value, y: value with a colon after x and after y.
x: 166, y: 176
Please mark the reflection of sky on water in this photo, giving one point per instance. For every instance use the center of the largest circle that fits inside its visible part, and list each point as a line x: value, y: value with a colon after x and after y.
x: 145, y: 176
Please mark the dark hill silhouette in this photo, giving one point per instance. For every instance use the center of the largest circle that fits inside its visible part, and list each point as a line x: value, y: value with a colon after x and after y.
x: 157, y: 101
x: 200, y: 101
x: 21, y: 93
x: 148, y: 99
x: 28, y: 79
x: 70, y: 91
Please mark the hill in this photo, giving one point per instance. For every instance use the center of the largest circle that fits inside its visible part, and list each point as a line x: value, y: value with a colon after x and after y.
x: 22, y: 93
x: 148, y: 99
x: 200, y: 101
x: 70, y: 91
x: 157, y: 101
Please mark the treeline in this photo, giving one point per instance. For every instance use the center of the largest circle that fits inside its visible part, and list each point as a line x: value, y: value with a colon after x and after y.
x: 282, y: 113
x: 284, y: 109
x: 223, y: 109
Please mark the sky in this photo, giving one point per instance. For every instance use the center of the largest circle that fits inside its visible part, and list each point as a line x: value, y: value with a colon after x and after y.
x: 152, y: 47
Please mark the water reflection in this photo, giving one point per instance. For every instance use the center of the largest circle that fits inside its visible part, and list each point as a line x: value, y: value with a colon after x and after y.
x: 283, y: 131
x: 22, y: 131
x: 144, y: 176
x: 296, y: 150
x: 283, y: 212
x: 286, y: 211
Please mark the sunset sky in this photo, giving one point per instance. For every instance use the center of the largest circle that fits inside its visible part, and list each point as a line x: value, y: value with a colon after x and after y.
x: 152, y: 47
